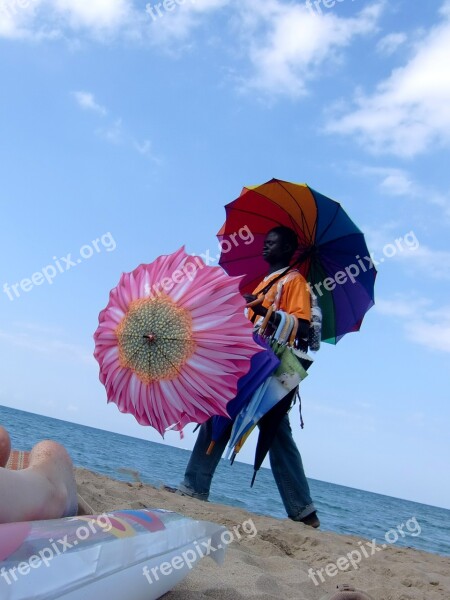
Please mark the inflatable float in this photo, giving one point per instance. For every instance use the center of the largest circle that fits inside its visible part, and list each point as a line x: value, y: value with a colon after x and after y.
x: 130, y: 554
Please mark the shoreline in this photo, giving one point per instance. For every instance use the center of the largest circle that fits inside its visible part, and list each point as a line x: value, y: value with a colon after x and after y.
x: 282, y: 559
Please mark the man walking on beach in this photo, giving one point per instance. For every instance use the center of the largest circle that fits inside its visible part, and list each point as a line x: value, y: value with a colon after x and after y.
x: 285, y: 289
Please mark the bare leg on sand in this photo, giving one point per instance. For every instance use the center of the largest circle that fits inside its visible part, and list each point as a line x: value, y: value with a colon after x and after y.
x: 45, y: 490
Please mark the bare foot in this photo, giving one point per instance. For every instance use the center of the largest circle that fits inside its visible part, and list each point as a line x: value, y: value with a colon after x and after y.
x: 44, y: 490
x: 5, y: 446
x: 52, y: 461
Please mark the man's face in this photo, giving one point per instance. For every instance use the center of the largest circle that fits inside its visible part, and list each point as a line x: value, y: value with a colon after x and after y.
x: 274, y: 250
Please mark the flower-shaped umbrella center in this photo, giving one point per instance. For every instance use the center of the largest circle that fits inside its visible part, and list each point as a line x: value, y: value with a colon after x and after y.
x: 155, y: 338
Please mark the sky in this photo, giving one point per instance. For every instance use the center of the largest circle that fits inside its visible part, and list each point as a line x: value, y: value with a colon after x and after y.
x: 125, y: 127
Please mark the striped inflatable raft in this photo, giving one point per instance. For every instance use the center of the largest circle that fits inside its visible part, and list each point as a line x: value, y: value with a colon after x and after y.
x: 130, y: 554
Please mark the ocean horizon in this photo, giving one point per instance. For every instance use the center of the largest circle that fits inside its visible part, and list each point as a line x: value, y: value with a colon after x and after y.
x: 342, y: 509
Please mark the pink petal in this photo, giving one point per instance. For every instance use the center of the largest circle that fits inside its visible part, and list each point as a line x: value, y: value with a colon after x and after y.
x: 223, y: 337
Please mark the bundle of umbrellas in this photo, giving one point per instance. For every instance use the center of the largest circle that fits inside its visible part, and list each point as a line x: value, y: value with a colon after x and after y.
x: 173, y: 343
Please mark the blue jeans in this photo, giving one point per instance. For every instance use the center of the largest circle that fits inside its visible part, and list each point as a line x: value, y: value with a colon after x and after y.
x: 285, y: 460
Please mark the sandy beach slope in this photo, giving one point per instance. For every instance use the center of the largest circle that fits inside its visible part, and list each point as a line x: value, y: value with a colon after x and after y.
x: 272, y: 563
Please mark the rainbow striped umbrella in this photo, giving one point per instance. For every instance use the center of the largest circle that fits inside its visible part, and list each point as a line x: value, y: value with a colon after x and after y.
x: 333, y: 255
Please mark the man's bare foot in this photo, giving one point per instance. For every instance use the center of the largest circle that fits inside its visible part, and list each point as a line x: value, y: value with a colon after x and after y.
x: 5, y: 446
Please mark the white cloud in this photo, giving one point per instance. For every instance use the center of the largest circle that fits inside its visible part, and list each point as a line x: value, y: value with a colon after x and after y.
x: 431, y: 332
x: 117, y: 135
x: 423, y: 324
x: 390, y: 43
x: 112, y: 134
x: 177, y: 24
x: 395, y: 182
x: 146, y: 149
x: 286, y: 43
x: 400, y: 183
x: 431, y: 263
x: 289, y: 43
x: 93, y: 14
x: 42, y: 19
x: 391, y: 242
x: 410, y: 111
x: 15, y: 17
x: 102, y: 19
x: 87, y: 101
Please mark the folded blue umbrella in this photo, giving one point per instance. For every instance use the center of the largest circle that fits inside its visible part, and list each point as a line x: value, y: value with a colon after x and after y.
x: 263, y: 364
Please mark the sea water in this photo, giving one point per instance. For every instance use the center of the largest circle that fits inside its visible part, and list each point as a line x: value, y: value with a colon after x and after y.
x: 342, y: 509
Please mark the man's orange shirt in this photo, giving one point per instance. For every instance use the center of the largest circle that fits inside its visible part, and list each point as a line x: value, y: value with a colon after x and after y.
x: 295, y: 297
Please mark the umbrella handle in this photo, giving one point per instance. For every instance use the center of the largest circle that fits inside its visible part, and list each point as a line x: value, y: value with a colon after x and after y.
x: 266, y: 320
x: 294, y: 333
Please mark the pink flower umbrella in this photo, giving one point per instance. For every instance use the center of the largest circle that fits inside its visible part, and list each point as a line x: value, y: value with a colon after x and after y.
x: 173, y: 342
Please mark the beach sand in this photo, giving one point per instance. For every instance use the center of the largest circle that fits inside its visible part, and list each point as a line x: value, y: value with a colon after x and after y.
x: 273, y: 564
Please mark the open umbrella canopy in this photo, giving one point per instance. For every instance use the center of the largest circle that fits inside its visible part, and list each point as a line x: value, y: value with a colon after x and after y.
x: 173, y: 342
x: 333, y: 255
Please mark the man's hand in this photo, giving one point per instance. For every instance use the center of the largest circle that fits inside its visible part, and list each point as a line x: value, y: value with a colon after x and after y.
x: 257, y: 308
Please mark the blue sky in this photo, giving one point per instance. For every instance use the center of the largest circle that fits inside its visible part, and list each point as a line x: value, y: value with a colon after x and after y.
x: 135, y: 130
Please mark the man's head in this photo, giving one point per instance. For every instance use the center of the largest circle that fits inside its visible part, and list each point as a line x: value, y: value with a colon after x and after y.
x: 280, y: 245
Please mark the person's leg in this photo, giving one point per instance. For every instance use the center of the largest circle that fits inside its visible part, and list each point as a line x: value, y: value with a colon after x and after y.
x: 45, y: 490
x: 287, y: 469
x: 52, y: 460
x: 5, y: 446
x: 201, y: 467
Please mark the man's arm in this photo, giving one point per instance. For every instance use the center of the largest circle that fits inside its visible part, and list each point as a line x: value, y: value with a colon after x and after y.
x: 261, y: 311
